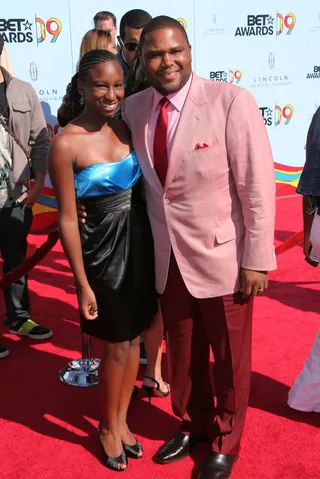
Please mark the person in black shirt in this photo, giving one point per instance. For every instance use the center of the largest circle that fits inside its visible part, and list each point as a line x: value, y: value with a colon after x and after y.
x: 131, y: 26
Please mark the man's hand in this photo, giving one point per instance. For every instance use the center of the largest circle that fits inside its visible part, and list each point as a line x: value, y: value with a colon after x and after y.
x: 32, y: 195
x: 253, y: 282
x: 81, y: 212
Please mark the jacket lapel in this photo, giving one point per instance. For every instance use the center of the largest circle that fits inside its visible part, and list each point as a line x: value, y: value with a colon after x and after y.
x: 141, y: 136
x: 190, y: 119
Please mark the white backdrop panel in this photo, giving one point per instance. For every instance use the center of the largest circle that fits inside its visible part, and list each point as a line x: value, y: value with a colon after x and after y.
x: 267, y: 49
x: 270, y: 48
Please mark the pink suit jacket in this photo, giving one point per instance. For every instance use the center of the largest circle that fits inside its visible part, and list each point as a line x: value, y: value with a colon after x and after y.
x: 217, y: 208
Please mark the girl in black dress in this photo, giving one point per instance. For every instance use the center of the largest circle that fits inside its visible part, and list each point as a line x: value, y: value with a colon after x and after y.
x: 112, y: 257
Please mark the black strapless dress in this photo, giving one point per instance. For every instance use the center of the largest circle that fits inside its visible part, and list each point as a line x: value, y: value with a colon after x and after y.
x: 118, y: 256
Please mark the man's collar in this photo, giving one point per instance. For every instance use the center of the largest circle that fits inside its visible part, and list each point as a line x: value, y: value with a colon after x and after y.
x: 177, y: 99
x: 124, y: 58
x: 6, y: 75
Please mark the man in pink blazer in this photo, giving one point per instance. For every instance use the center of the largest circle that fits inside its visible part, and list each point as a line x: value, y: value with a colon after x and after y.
x: 210, y: 191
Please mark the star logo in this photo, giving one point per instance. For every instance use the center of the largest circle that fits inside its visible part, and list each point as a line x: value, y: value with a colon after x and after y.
x: 270, y: 20
x: 269, y: 112
x: 27, y: 25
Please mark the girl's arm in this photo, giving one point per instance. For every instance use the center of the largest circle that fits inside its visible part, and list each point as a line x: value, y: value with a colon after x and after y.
x: 61, y: 175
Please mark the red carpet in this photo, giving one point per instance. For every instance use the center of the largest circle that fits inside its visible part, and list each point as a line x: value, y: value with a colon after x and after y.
x: 48, y: 430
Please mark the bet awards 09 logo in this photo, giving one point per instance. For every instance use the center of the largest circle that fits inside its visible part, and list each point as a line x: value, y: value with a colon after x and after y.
x: 16, y: 30
x: 231, y: 76
x: 266, y: 24
x: 278, y: 115
x: 314, y: 74
x: 21, y: 30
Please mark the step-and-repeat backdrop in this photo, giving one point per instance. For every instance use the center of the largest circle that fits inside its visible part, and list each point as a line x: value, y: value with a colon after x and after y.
x: 272, y: 49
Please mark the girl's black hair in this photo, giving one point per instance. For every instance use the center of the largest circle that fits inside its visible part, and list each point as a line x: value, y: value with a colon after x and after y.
x: 88, y: 61
x: 93, y: 58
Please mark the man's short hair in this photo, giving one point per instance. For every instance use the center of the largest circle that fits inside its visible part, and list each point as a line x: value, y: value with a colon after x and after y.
x: 101, y: 16
x: 134, y: 19
x: 161, y: 23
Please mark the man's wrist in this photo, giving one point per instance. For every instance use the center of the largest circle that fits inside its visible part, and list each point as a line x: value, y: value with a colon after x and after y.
x: 255, y: 270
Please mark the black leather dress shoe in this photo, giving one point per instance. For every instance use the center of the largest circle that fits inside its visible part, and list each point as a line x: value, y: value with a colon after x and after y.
x: 177, y: 448
x: 217, y: 466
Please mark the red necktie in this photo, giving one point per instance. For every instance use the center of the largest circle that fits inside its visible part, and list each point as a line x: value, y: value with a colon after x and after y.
x: 160, y: 145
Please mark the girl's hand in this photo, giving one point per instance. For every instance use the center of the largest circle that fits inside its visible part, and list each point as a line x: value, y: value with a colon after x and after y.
x: 87, y: 303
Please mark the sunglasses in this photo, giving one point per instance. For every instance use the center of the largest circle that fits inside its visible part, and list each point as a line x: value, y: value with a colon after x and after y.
x: 130, y: 46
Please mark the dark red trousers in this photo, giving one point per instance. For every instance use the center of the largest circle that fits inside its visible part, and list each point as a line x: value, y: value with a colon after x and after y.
x: 211, y: 400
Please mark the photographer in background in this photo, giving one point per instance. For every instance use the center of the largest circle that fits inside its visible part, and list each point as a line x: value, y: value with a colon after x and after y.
x: 309, y: 187
x: 22, y: 125
x: 305, y: 392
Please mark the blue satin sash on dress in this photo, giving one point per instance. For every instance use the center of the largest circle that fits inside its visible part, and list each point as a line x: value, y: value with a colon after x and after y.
x: 106, y: 178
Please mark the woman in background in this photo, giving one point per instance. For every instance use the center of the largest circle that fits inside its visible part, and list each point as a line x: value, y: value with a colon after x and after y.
x: 72, y: 105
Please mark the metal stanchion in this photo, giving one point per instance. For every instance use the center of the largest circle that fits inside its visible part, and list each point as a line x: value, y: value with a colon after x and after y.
x: 83, y: 372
